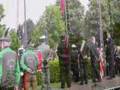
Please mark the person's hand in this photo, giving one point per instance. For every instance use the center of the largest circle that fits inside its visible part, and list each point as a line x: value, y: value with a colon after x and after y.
x: 39, y: 71
x: 16, y: 88
x: 29, y: 70
x: 21, y: 73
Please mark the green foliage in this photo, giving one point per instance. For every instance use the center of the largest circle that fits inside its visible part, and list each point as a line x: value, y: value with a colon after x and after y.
x: 91, y: 21
x: 52, y: 23
x: 54, y: 71
x: 2, y: 27
x: 116, y: 21
x: 76, y: 17
x: 15, y: 44
x: 1, y: 11
x: 39, y: 78
x: 89, y: 68
x: 76, y: 13
x: 55, y: 24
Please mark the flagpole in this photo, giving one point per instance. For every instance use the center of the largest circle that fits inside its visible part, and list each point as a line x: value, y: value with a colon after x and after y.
x: 66, y: 17
x: 65, y: 14
x: 110, y: 16
x: 17, y: 21
x: 100, y: 30
x: 25, y: 40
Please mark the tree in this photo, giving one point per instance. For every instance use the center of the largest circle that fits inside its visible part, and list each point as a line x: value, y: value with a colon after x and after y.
x: 2, y: 27
x: 92, y: 19
x: 76, y: 17
x: 1, y: 12
x: 38, y: 31
x: 15, y: 43
x: 29, y: 27
x: 116, y: 20
x: 52, y: 23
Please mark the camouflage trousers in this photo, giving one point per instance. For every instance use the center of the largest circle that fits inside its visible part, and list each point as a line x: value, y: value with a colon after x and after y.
x: 4, y: 88
x: 45, y: 79
x: 65, y: 75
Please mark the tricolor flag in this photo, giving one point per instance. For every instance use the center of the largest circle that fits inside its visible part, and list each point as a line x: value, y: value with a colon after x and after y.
x: 62, y: 6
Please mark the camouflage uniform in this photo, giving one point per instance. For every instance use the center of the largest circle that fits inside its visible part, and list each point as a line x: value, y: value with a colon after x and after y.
x: 74, y: 63
x: 64, y: 62
x: 45, y: 50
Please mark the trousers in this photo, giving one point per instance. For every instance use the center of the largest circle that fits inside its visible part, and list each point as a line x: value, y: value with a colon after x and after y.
x: 29, y: 80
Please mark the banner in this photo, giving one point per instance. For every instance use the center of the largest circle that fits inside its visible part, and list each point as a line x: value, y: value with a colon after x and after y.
x: 62, y: 6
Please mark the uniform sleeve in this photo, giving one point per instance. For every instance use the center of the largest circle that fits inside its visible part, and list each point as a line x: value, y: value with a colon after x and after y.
x: 17, y: 73
x: 22, y: 64
x: 37, y: 61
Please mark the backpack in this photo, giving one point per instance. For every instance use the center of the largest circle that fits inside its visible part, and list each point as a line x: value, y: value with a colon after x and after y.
x: 30, y: 61
x: 9, y: 65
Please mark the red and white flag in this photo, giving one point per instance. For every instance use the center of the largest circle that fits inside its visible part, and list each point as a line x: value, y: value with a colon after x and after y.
x: 101, y: 63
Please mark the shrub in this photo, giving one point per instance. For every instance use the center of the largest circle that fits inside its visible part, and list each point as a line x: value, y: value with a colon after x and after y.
x: 54, y: 71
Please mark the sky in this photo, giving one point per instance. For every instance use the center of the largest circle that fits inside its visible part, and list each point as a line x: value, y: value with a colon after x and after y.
x: 35, y: 9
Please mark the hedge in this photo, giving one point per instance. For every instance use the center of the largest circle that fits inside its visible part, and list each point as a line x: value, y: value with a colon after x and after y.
x: 55, y: 72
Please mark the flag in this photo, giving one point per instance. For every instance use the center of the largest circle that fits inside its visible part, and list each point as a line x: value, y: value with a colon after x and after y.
x: 40, y: 58
x: 62, y: 6
x: 66, y: 40
x: 101, y: 63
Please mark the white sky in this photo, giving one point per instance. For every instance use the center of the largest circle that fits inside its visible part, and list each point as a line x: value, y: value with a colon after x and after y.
x: 35, y: 9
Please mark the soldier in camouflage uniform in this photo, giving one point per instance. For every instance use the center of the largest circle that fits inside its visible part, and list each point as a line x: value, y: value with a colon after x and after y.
x: 45, y: 51
x: 82, y: 52
x: 94, y: 56
x: 20, y: 53
x: 74, y: 63
x: 110, y: 51
x: 64, y: 62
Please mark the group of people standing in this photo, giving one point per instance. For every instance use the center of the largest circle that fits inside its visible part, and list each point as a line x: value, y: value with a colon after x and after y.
x: 74, y: 60
x: 18, y: 69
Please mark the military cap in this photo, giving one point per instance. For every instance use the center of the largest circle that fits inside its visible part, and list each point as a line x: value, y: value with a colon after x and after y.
x: 73, y: 46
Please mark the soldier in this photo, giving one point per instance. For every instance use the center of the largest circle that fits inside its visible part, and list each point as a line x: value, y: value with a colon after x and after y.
x: 74, y: 63
x: 9, y: 67
x: 110, y: 57
x: 20, y: 53
x: 117, y: 60
x: 45, y: 51
x: 94, y: 55
x: 83, y: 63
x: 64, y: 62
x: 29, y: 64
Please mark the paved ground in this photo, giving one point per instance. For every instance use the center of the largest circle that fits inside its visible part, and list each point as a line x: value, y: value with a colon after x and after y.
x: 105, y: 84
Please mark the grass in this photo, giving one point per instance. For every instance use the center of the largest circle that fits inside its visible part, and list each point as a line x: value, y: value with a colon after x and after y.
x: 55, y: 85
